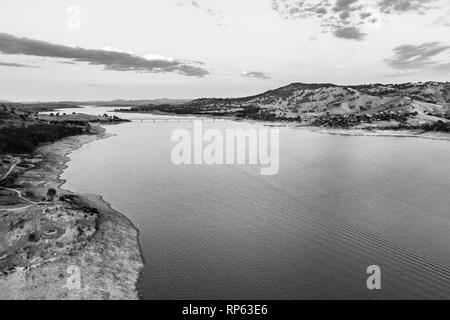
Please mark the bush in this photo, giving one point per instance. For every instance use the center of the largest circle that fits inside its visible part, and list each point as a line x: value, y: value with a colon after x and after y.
x: 51, y: 193
x: 438, y: 126
x: 33, y: 237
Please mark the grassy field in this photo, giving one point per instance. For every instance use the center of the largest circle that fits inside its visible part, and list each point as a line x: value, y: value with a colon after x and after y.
x: 9, y: 198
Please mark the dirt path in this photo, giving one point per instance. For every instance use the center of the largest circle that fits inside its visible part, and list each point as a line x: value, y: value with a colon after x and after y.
x: 13, y: 166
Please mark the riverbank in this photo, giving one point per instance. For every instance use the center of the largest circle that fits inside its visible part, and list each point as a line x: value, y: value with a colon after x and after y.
x: 381, y: 133
x: 87, y: 250
x: 413, y: 133
x: 433, y: 135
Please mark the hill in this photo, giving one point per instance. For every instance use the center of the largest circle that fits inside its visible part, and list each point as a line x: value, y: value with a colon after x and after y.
x: 391, y: 105
x: 300, y: 98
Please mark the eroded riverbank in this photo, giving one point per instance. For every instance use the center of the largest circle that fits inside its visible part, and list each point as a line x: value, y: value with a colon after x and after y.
x: 85, y: 249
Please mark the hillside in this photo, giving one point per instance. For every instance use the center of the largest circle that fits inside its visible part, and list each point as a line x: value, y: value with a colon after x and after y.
x: 410, y: 104
x: 299, y: 98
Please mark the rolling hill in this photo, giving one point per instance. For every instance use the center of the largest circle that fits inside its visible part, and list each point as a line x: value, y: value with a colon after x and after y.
x: 408, y: 104
x: 300, y: 98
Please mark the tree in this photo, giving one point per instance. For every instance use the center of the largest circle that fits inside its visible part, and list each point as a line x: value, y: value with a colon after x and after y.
x: 32, y: 237
x: 51, y: 193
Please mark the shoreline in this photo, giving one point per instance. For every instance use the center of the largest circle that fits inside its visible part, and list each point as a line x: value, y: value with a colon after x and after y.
x: 379, y: 133
x: 99, y: 200
x: 387, y: 133
x: 108, y: 263
x: 94, y: 200
x: 99, y: 136
x: 429, y: 135
x: 413, y: 133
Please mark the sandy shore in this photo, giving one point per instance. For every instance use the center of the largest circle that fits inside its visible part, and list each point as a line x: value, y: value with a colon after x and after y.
x: 105, y: 265
x: 352, y: 132
x: 380, y: 133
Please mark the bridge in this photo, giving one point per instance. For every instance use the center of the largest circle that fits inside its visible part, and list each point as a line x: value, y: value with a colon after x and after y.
x: 173, y: 119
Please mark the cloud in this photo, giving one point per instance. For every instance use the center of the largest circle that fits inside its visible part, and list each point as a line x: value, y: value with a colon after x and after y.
x: 408, y: 59
x: 342, y: 18
x: 66, y: 62
x: 110, y: 59
x: 101, y: 86
x: 256, y: 74
x: 444, y: 67
x: 400, y: 6
x: 215, y: 13
x: 344, y: 5
x: 347, y: 18
x: 16, y: 65
x: 443, y: 20
x: 158, y: 57
x: 350, y: 33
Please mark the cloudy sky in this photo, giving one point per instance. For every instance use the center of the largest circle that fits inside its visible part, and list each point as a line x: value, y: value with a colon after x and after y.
x: 108, y: 49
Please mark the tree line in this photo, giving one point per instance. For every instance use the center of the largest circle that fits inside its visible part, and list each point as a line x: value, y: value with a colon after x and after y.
x: 26, y: 139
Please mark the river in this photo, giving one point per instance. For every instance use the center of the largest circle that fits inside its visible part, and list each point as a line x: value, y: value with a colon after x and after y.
x: 337, y: 205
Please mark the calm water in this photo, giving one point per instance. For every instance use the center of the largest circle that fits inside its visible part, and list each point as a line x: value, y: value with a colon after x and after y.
x: 338, y: 205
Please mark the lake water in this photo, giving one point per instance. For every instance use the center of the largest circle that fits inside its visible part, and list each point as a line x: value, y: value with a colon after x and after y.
x: 338, y: 205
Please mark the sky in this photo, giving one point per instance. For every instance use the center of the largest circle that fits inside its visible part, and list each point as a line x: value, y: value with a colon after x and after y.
x: 144, y: 49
